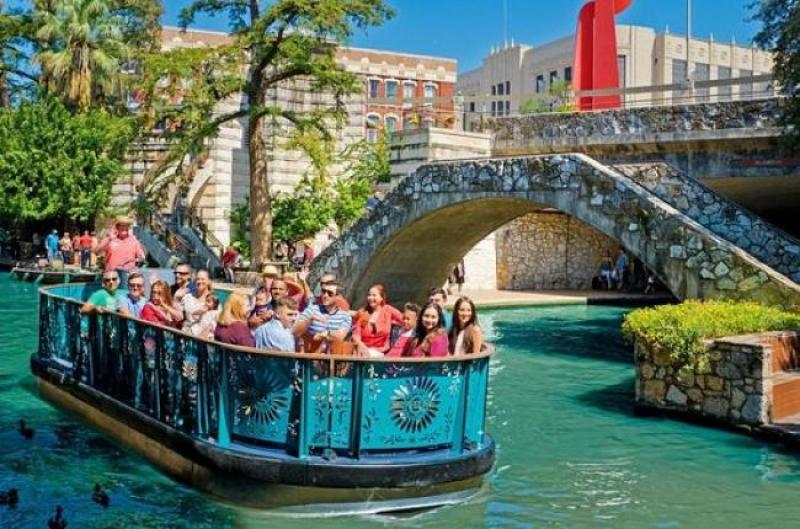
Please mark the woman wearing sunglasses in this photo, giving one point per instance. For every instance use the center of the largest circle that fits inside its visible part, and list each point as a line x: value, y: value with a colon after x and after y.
x: 160, y: 309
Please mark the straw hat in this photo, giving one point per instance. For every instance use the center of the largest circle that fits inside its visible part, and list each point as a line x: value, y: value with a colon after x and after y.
x: 122, y: 220
x: 270, y: 271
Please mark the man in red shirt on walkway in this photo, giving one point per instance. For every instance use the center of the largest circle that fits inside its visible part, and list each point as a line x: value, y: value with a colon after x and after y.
x: 121, y: 249
x: 85, y: 245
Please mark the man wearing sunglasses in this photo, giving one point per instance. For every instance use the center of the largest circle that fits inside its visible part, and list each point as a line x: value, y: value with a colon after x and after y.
x: 104, y: 299
x: 324, y: 322
x: 132, y: 302
x: 328, y: 279
x: 183, y: 282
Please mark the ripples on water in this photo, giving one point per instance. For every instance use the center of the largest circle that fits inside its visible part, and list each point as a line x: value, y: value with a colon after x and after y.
x: 570, y: 452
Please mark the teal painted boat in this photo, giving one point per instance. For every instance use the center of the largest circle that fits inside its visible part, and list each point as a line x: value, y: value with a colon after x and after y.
x: 270, y: 429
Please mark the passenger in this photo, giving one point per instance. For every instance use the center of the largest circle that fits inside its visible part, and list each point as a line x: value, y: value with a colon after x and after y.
x: 403, y: 345
x: 193, y: 304
x: 276, y: 334
x: 207, y: 324
x: 161, y: 308
x: 465, y: 335
x: 267, y: 276
x: 298, y: 289
x: 132, y: 302
x: 322, y: 324
x: 232, y: 325
x: 326, y: 279
x: 438, y: 295
x: 431, y: 336
x: 373, y: 324
x: 121, y: 249
x: 183, y: 282
x: 104, y: 299
x: 264, y: 308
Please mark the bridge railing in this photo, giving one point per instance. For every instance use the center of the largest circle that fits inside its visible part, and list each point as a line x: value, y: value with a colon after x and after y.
x: 298, y: 404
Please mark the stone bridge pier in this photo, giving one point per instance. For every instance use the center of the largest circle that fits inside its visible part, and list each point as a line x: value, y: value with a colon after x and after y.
x: 412, y: 240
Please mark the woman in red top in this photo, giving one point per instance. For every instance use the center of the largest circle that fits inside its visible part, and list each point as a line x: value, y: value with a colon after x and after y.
x: 373, y: 323
x: 431, y: 339
x: 160, y: 309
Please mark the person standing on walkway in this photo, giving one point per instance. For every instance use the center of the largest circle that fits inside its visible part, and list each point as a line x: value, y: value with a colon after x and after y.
x: 51, y: 245
x: 85, y: 245
x: 65, y: 248
x: 121, y: 249
x: 457, y: 277
x: 621, y: 269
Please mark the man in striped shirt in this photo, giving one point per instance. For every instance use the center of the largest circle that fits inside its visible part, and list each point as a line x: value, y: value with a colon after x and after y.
x: 323, y: 322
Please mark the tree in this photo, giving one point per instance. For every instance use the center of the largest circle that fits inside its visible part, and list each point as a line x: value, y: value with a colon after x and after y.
x: 780, y: 34
x: 59, y: 165
x: 368, y: 164
x: 76, y: 48
x: 558, y: 99
x: 274, y: 43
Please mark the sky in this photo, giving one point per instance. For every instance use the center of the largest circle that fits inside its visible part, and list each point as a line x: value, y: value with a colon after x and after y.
x: 467, y: 29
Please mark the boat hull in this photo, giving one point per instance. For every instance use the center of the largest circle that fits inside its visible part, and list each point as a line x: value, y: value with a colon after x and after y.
x: 279, y: 482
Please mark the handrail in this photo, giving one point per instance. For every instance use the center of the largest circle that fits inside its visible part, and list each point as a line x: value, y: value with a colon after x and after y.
x: 295, y: 405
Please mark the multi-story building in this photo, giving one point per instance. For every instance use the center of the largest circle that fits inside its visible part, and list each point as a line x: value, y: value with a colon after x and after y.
x: 400, y: 92
x: 511, y: 75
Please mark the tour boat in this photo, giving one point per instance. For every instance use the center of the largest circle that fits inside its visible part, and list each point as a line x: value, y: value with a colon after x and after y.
x: 53, y: 276
x: 270, y: 429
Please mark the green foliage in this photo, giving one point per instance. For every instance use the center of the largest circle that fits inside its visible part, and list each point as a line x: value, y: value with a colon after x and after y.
x: 368, y: 163
x: 558, y: 99
x: 780, y: 34
x: 58, y: 165
x: 302, y: 213
x: 240, y: 227
x: 681, y: 329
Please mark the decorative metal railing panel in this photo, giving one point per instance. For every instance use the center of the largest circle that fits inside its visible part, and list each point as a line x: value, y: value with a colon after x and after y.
x: 299, y: 404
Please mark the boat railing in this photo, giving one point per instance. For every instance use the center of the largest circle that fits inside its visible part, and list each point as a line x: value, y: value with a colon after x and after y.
x: 303, y: 405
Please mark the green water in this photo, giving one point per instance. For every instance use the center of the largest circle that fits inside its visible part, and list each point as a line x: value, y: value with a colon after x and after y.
x: 570, y: 452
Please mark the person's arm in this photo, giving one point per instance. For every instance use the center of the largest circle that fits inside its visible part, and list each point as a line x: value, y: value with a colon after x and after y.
x: 88, y: 308
x: 477, y: 340
x: 303, y: 322
x: 140, y: 255
x: 257, y: 320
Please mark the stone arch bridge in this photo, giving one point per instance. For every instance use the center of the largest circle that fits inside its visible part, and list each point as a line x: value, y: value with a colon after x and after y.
x: 432, y: 218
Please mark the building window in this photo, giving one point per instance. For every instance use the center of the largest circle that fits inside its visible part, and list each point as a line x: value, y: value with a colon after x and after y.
x: 723, y: 74
x: 390, y: 124
x: 373, y: 88
x: 622, y: 69
x: 701, y: 73
x: 508, y: 88
x: 409, y: 90
x: 508, y: 108
x: 373, y: 124
x: 553, y: 77
x: 430, y: 91
x: 501, y: 89
x: 391, y: 89
x: 494, y: 108
x: 472, y: 106
x: 540, y: 84
x: 568, y: 74
x: 679, y: 76
x: 494, y: 89
x: 746, y: 89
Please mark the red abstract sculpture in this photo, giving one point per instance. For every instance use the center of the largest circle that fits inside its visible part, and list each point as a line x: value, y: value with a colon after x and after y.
x: 595, y: 64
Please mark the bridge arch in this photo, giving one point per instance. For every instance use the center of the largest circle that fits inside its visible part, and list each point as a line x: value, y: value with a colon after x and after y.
x: 432, y: 218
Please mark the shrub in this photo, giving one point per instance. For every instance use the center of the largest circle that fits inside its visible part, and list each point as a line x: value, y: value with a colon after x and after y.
x: 681, y: 329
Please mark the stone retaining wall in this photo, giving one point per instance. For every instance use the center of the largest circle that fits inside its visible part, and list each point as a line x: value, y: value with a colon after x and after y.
x: 546, y: 251
x: 733, y: 384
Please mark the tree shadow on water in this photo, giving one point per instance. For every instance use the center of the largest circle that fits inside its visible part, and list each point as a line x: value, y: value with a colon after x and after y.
x: 598, y: 339
x: 618, y: 398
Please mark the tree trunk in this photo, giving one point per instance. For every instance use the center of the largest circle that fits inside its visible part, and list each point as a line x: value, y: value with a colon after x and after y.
x: 260, y: 198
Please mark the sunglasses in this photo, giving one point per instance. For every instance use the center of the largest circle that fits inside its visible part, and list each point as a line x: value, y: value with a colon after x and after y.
x: 136, y: 285
x: 326, y: 292
x: 177, y: 273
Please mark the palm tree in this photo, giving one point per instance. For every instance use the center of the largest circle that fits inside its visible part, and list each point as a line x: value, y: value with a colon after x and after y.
x: 85, y: 47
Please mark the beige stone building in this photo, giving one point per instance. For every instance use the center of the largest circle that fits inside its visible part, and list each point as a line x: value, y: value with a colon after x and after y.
x: 401, y: 92
x: 513, y: 74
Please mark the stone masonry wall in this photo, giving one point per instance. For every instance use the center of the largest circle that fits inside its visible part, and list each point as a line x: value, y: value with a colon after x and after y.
x: 733, y: 386
x: 549, y: 251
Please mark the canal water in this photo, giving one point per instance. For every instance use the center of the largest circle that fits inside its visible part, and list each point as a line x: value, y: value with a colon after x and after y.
x: 570, y: 451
